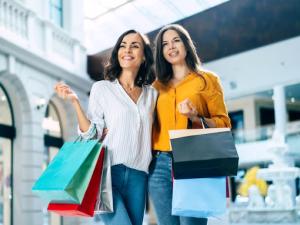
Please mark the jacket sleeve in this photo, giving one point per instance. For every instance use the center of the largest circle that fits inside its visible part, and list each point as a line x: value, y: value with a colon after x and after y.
x: 216, y: 103
x: 95, y: 114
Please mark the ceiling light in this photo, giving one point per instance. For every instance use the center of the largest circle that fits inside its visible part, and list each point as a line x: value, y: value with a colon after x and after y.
x: 3, y: 98
x: 292, y: 99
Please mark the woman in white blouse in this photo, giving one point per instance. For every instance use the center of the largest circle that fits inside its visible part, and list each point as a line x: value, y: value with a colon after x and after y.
x: 124, y: 104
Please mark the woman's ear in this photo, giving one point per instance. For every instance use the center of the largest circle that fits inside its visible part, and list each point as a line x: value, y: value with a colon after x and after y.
x: 144, y: 58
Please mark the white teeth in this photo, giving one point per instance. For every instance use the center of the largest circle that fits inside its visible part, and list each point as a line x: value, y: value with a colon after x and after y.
x: 174, y: 53
x: 127, y: 58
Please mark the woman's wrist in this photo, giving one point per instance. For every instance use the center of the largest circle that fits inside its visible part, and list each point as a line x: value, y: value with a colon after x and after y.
x: 75, y: 101
x: 195, y: 119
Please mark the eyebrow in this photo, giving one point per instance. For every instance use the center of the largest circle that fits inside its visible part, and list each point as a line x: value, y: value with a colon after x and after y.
x: 124, y: 42
x: 173, y: 39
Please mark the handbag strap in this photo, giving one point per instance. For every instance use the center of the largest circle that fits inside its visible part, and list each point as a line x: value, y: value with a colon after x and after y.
x: 89, y: 136
x: 204, y: 124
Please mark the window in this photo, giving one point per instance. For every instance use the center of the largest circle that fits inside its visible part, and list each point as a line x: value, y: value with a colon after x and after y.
x: 237, y: 120
x: 267, y: 116
x: 7, y: 134
x: 294, y: 115
x: 237, y: 123
x: 56, y: 12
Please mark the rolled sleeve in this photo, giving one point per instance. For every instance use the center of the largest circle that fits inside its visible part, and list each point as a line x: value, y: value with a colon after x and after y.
x: 95, y: 114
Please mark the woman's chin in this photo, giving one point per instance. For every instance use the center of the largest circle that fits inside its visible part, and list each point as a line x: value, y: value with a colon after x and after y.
x: 176, y: 61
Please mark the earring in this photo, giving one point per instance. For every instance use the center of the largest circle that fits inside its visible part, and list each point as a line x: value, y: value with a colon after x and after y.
x: 145, y: 63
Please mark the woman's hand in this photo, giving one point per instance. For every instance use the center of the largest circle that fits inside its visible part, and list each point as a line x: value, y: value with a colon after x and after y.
x: 64, y: 92
x: 188, y: 109
x: 104, y: 133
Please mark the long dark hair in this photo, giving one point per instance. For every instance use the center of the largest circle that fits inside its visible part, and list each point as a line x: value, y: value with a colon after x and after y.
x: 145, y: 76
x: 163, y: 67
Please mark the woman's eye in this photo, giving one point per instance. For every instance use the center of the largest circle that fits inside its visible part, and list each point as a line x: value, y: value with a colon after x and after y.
x: 177, y: 40
x: 135, y: 46
x: 164, y: 44
x: 122, y: 46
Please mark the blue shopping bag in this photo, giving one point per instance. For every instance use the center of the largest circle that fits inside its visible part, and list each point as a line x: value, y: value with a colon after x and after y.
x: 67, y: 177
x: 201, y: 197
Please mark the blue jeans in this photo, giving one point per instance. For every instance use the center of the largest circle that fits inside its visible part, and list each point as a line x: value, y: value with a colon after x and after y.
x: 129, y: 196
x: 160, y: 191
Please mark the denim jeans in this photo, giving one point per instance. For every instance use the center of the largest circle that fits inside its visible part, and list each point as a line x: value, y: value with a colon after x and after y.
x: 129, y: 196
x: 160, y: 191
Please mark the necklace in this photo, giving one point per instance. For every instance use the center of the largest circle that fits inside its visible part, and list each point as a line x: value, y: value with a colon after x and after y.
x: 128, y: 87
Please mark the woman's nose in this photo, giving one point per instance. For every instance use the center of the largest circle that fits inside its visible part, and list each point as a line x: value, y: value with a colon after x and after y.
x: 171, y: 46
x: 128, y: 50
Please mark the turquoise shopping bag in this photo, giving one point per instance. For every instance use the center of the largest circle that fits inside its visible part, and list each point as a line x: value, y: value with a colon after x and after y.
x: 67, y: 177
x: 201, y: 197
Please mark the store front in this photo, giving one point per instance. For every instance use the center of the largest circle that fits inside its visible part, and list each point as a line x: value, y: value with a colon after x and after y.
x: 7, y: 134
x: 53, y: 141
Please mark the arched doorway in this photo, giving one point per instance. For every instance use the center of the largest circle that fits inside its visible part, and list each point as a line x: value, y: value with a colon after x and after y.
x: 53, y: 141
x: 7, y: 134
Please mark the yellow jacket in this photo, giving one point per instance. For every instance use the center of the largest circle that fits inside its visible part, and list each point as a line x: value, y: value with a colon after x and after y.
x: 209, y: 101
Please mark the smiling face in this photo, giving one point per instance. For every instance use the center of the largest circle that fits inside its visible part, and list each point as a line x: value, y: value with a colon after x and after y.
x: 131, y: 51
x: 174, y: 50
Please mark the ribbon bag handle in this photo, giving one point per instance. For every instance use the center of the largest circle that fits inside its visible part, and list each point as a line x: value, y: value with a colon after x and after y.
x: 89, y: 136
x: 203, y: 122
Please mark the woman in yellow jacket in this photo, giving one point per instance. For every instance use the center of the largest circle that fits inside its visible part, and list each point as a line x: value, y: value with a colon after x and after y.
x: 185, y: 91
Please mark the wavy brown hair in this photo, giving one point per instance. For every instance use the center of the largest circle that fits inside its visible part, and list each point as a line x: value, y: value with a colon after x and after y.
x: 163, y: 67
x: 145, y: 76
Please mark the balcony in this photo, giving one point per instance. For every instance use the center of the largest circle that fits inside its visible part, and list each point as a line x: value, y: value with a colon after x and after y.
x: 252, y: 145
x: 23, y: 30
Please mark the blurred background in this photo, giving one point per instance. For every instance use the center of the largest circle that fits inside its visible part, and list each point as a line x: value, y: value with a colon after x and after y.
x: 253, y: 45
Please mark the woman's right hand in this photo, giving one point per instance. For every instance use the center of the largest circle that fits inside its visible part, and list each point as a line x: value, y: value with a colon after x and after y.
x: 64, y: 92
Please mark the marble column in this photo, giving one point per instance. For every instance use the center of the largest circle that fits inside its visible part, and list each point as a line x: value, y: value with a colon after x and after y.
x: 280, y: 127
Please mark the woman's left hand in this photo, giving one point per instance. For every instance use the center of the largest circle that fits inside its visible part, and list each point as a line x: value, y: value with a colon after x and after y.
x: 188, y: 109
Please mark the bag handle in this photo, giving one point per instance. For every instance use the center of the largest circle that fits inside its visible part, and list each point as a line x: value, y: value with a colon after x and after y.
x: 89, y: 136
x: 204, y: 124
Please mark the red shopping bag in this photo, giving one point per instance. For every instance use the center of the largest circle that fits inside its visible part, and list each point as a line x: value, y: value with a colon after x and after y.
x: 86, y: 208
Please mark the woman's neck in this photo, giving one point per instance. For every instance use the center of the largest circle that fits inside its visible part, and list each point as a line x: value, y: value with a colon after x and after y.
x: 127, y: 77
x: 180, y: 70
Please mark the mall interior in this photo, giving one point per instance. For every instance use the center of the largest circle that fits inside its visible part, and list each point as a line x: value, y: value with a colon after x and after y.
x: 253, y: 46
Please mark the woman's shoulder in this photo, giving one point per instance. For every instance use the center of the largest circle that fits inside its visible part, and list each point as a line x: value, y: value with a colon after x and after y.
x: 211, y: 78
x: 151, y: 89
x: 103, y: 83
x: 207, y: 74
x: 157, y: 84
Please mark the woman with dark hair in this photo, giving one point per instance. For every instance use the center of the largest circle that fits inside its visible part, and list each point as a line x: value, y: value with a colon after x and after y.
x: 124, y: 104
x: 186, y: 91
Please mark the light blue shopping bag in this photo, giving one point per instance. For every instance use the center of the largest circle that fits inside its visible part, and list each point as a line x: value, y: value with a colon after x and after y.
x: 201, y: 197
x: 67, y: 177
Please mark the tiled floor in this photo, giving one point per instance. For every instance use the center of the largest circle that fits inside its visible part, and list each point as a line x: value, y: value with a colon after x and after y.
x: 223, y: 221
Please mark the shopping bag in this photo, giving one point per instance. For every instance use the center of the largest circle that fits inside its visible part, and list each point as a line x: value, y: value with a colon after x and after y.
x: 104, y: 202
x: 200, y: 153
x: 200, y: 197
x: 67, y: 177
x: 86, y: 208
x: 227, y: 188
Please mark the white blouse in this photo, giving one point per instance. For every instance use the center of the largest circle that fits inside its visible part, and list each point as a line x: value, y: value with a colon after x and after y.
x: 129, y: 124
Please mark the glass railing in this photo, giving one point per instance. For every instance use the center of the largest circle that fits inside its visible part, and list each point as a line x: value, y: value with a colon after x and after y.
x: 263, y: 133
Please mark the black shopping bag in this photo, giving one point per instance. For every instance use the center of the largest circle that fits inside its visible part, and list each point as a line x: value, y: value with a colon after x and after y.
x: 203, y: 153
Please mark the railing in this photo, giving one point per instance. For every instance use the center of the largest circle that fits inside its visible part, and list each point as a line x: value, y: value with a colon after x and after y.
x: 14, y: 17
x: 263, y: 133
x: 24, y: 28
